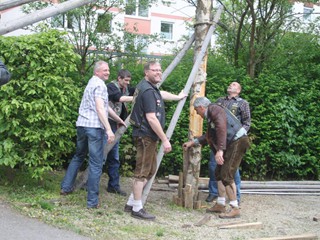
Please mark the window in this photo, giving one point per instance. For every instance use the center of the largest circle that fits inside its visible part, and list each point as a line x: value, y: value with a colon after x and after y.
x: 58, y: 21
x: 104, y: 23
x: 307, y: 13
x: 138, y: 8
x: 65, y: 21
x: 166, y: 30
x: 135, y: 42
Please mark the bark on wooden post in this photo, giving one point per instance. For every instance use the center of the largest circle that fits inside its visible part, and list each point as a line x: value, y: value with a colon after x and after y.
x: 203, y: 22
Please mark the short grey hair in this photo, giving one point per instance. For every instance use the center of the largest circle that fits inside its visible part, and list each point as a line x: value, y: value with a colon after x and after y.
x: 201, y: 102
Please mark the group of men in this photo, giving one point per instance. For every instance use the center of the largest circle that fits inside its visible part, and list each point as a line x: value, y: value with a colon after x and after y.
x: 103, y: 109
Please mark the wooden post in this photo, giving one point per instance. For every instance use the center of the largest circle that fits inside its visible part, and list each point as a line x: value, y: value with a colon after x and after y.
x: 203, y: 21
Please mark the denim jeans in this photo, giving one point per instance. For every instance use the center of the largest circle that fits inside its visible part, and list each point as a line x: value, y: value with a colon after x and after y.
x: 89, y: 140
x: 213, y: 186
x: 113, y: 164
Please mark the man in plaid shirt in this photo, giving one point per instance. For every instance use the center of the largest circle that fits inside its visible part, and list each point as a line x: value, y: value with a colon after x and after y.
x: 92, y: 129
x: 240, y: 108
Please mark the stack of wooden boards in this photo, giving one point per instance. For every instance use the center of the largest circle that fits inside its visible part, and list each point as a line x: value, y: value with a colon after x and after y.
x: 259, y: 187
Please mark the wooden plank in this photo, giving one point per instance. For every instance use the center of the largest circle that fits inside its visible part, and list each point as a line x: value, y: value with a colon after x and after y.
x: 283, y: 190
x: 308, y: 236
x: 243, y: 225
x: 227, y: 223
x: 282, y: 182
x: 206, y: 218
x: 281, y: 193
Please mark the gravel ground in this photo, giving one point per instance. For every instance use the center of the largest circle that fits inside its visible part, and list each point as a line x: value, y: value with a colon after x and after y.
x: 276, y: 216
x: 279, y: 215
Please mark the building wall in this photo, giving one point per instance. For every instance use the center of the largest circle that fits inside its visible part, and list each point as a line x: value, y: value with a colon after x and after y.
x: 179, y: 13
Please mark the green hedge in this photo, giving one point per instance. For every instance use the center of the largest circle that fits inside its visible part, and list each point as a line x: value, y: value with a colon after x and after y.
x: 38, y: 106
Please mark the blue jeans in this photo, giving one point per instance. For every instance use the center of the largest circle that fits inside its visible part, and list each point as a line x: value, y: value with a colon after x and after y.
x: 213, y: 186
x: 113, y: 164
x: 89, y: 140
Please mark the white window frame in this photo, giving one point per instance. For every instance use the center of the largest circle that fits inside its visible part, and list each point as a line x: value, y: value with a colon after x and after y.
x: 137, y: 10
x: 166, y: 35
x: 307, y: 13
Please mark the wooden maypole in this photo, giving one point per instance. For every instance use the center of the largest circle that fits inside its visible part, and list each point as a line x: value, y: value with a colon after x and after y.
x: 204, y: 27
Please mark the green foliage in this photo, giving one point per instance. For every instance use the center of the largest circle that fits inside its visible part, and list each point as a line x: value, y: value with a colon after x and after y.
x: 39, y: 105
x: 285, y: 113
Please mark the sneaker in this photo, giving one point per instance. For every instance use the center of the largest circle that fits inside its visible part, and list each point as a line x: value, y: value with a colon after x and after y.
x: 234, y: 212
x: 211, y: 198
x: 142, y: 214
x: 64, y: 193
x: 217, y: 208
x: 117, y: 191
x: 127, y: 208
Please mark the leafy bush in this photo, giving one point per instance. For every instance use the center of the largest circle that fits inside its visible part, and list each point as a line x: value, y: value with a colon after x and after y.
x: 39, y: 105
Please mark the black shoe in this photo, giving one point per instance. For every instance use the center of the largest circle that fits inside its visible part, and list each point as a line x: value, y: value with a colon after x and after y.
x: 210, y: 198
x: 142, y: 214
x: 127, y: 208
x: 117, y: 191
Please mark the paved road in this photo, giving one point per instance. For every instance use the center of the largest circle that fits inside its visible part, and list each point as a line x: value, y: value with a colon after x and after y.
x: 14, y: 226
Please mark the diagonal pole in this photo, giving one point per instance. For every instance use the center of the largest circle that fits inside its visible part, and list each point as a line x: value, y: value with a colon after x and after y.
x: 121, y: 130
x: 42, y: 14
x: 181, y: 103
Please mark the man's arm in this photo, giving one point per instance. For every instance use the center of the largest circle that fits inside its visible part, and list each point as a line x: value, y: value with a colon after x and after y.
x: 245, y: 115
x: 172, y: 97
x: 156, y: 127
x: 102, y: 114
x: 115, y: 95
x: 115, y: 117
x: 126, y: 99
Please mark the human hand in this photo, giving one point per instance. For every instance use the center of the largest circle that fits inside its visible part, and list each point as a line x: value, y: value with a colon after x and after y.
x: 121, y: 123
x: 111, y: 136
x: 219, y: 157
x: 182, y: 95
x: 166, y: 146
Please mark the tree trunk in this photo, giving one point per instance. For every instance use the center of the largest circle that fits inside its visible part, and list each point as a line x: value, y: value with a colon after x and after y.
x: 252, y: 51
x: 42, y: 14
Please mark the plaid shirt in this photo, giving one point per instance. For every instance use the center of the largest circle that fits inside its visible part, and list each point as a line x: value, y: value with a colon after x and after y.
x: 239, y: 107
x: 88, y: 116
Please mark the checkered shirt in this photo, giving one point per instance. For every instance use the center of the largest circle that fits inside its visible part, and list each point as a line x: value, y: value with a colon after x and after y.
x: 243, y: 113
x: 88, y: 116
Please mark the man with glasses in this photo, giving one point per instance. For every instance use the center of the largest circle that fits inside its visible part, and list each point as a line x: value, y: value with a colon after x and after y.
x: 120, y: 94
x: 148, y: 121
